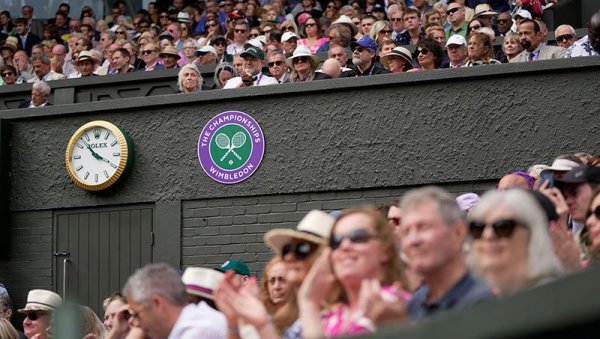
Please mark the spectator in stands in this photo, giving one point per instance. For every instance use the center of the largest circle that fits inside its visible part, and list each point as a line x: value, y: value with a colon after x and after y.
x: 240, y: 37
x: 60, y: 20
x: 274, y: 286
x: 220, y: 44
x: 201, y: 284
x: 189, y: 51
x: 212, y: 29
x: 577, y: 187
x: 87, y: 64
x: 511, y: 243
x: 381, y: 32
x: 590, y: 44
x: 412, y: 23
x: 516, y: 180
x: 41, y: 67
x: 24, y: 68
x: 364, y: 51
x: 395, y: 18
x: 189, y: 79
x: 34, y: 26
x: 278, y: 67
x: 290, y: 26
x: 504, y: 22
x: 207, y: 55
x: 120, y: 62
x: 433, y: 233
x: 311, y: 29
x: 223, y: 73
x: 534, y: 49
x: 157, y: 300
x: 474, y: 26
x: 6, y: 24
x: 432, y: 18
x: 456, y: 47
x: 150, y: 55
x: 592, y: 225
x: 511, y: 46
x: 38, y: 311
x: 436, y: 33
x: 9, y: 74
x: 366, y: 23
x: 251, y: 73
x: 364, y: 261
x: 7, y: 330
x: 398, y: 60
x: 170, y: 56
x: 456, y: 18
x: 112, y: 306
x: 485, y: 15
x: 429, y: 55
x: 332, y: 68
x: 107, y: 38
x: 40, y: 91
x: 8, y: 50
x: 304, y: 65
x: 480, y: 50
x: 25, y: 38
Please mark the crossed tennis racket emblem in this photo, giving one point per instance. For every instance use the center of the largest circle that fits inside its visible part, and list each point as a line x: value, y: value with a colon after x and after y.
x: 223, y: 142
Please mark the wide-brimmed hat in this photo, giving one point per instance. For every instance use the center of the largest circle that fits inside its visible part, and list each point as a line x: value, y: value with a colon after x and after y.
x: 303, y: 51
x: 254, y: 52
x: 401, y: 52
x: 314, y: 227
x: 483, y: 9
x: 183, y: 17
x: 201, y: 281
x: 562, y: 165
x: 87, y: 55
x: 11, y: 43
x: 344, y: 19
x: 166, y: 35
x: 170, y: 50
x: 41, y: 300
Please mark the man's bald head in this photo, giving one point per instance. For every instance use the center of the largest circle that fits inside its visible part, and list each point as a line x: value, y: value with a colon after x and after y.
x: 332, y: 68
x: 514, y: 180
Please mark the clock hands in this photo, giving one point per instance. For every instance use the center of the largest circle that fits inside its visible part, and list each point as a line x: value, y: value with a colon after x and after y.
x: 96, y: 155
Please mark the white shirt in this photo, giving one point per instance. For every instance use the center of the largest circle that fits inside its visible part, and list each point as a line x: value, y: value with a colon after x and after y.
x: 199, y: 322
x: 259, y: 80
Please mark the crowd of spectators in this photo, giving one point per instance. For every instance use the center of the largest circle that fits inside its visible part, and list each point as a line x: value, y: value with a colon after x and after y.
x: 352, y: 271
x: 358, y: 35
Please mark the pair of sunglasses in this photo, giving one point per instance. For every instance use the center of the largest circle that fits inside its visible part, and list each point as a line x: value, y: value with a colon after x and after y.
x: 595, y: 212
x: 423, y: 51
x: 33, y: 316
x: 358, y: 236
x: 564, y: 37
x: 503, y: 228
x: 300, y: 250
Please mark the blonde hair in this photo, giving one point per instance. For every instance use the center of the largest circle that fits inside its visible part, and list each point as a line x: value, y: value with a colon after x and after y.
x: 91, y: 323
x: 7, y: 330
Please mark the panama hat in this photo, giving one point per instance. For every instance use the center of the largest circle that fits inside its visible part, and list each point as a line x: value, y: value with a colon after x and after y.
x: 87, y: 55
x: 41, y: 300
x: 314, y: 227
x: 483, y: 9
x: 301, y: 51
x: 401, y: 52
x: 201, y: 281
x: 170, y: 50
x: 344, y: 19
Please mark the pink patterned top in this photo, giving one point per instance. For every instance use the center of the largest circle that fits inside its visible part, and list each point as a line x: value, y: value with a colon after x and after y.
x: 314, y: 48
x: 342, y: 321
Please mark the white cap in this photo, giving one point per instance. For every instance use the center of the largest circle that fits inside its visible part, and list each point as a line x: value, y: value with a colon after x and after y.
x: 456, y: 39
x: 523, y: 13
x: 207, y: 49
x: 253, y: 43
x: 288, y: 35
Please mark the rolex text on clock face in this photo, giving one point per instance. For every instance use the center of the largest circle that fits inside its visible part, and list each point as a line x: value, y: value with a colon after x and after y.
x: 96, y: 155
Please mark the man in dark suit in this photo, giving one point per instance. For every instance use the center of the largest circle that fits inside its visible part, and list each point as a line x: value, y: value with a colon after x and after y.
x: 26, y: 38
x: 39, y: 96
x: 34, y: 26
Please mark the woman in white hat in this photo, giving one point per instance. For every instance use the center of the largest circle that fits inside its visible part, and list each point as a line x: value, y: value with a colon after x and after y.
x: 303, y: 64
x: 398, y: 60
x: 38, y: 312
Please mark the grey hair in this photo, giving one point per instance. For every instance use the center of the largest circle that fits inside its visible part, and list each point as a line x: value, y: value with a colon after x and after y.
x: 180, y: 76
x: 43, y: 58
x: 447, y: 206
x: 110, y: 34
x: 41, y: 86
x: 155, y: 279
x: 569, y: 27
x: 5, y: 302
x: 225, y: 66
x: 542, y: 261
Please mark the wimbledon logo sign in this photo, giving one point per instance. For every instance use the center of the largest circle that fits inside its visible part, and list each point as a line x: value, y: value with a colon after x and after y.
x: 231, y: 147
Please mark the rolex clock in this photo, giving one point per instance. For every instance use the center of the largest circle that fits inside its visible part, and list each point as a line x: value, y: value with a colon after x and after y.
x: 98, y: 155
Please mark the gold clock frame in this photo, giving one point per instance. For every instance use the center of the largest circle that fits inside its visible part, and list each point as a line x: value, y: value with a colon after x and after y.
x: 123, y: 163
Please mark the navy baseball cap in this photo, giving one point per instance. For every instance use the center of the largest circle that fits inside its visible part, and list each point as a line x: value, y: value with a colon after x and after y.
x: 365, y: 42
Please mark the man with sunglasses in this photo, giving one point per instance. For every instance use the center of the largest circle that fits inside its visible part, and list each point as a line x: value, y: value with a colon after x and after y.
x: 565, y: 36
x: 456, y: 18
x: 278, y: 68
x: 590, y: 44
x: 150, y: 55
x: 38, y: 312
x: 504, y: 23
x: 433, y: 232
x: 240, y: 37
x: 364, y: 51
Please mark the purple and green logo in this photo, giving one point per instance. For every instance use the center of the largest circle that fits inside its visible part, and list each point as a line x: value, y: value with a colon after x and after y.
x: 231, y: 147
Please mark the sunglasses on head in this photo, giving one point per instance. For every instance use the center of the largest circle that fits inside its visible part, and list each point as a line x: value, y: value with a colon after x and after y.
x: 503, y: 228
x: 33, y: 316
x: 564, y: 37
x: 273, y: 63
x: 453, y: 10
x: 595, y: 212
x: 423, y: 51
x: 358, y: 236
x: 301, y: 59
x: 300, y: 251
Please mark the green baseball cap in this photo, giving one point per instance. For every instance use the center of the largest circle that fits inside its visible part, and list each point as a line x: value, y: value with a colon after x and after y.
x: 235, y: 265
x: 254, y: 52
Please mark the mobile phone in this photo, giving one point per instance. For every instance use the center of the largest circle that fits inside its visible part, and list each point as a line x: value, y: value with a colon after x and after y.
x: 547, y: 176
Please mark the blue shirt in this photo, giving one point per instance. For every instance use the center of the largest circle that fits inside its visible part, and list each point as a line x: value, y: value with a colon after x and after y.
x: 466, y: 293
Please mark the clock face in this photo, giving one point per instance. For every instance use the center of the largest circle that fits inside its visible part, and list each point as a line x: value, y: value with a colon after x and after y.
x: 97, y: 155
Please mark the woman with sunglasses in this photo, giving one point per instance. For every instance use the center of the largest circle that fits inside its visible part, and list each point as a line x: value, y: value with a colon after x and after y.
x: 591, y: 233
x: 331, y: 11
x: 360, y: 271
x: 429, y: 54
x: 512, y: 249
x: 480, y: 50
x: 289, y: 25
x: 211, y: 30
x: 304, y: 65
x: 381, y: 32
x: 298, y: 249
x: 474, y: 25
x: 311, y: 30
